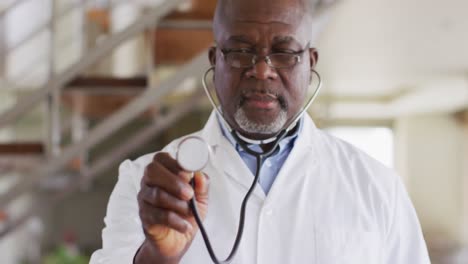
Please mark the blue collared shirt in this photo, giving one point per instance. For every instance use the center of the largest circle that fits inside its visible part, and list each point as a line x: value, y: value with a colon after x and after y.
x: 270, y: 166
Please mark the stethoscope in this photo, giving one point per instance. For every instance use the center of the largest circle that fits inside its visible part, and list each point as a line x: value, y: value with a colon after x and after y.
x: 193, y: 154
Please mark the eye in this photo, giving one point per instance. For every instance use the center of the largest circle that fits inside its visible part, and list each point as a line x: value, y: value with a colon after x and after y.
x: 241, y: 50
x: 285, y: 48
x: 286, y: 51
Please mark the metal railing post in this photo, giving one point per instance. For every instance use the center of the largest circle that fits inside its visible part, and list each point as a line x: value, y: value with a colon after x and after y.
x: 2, y: 48
x: 79, y: 129
x: 133, y: 109
x: 53, y: 99
x: 28, y: 102
x: 150, y: 65
x: 84, y: 28
x: 117, y: 154
x: 151, y: 44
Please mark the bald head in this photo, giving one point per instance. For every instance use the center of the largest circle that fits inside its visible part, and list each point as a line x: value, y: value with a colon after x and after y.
x: 264, y: 11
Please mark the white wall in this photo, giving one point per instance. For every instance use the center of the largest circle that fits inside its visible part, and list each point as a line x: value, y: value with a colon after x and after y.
x: 20, y: 22
x: 69, y: 37
x: 128, y: 58
x: 465, y: 182
x: 2, y: 47
x: 28, y: 64
x: 429, y: 155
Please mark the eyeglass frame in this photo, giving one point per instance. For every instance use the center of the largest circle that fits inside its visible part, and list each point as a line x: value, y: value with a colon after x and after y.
x: 297, y: 55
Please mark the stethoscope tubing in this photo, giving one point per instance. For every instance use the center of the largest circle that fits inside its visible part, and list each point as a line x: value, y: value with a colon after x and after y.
x: 288, y: 126
x: 260, y: 157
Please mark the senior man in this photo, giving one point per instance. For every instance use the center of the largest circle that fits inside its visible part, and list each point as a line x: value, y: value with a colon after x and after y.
x: 318, y: 200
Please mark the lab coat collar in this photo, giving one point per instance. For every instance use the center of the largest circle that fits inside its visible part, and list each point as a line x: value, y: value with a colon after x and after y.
x: 282, y: 145
x: 226, y: 159
x: 213, y: 135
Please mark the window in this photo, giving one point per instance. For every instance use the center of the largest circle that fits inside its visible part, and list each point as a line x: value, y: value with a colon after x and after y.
x: 375, y: 141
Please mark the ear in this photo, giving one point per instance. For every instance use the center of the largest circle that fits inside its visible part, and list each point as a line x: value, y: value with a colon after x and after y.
x: 212, y: 56
x: 313, y: 53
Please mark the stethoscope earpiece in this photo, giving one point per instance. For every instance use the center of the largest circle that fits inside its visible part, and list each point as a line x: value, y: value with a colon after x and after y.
x: 291, y: 124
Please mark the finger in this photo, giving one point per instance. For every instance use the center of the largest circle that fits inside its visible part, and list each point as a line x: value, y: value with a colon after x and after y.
x: 156, y: 175
x: 170, y: 163
x: 201, y: 185
x: 185, y: 175
x: 161, y: 199
x: 151, y: 216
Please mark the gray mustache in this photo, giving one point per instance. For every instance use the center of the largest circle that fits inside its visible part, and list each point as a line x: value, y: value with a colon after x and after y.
x: 282, y: 101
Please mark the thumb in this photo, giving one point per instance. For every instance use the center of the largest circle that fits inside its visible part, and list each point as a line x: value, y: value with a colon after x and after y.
x: 201, y: 182
x: 201, y: 187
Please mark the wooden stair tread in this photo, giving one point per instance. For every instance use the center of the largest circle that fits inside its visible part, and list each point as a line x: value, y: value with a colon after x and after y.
x: 19, y: 148
x: 171, y: 45
x: 98, y: 105
x: 100, y: 96
x: 27, y: 161
x: 174, y: 46
x: 179, y: 45
x: 19, y: 163
x: 103, y: 83
x: 198, y: 9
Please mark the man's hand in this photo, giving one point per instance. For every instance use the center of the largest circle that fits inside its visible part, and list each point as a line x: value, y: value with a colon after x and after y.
x: 167, y: 220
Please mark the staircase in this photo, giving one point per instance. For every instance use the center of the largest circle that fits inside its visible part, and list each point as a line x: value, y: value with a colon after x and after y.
x: 71, y: 95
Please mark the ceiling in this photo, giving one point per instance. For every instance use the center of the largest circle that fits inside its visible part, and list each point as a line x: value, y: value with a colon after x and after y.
x: 395, y: 57
x: 380, y: 59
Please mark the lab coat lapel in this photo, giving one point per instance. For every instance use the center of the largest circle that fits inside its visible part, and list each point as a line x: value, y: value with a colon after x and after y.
x: 225, y: 158
x: 304, y: 154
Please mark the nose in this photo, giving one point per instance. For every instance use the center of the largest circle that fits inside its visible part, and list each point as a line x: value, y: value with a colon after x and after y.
x: 262, y: 71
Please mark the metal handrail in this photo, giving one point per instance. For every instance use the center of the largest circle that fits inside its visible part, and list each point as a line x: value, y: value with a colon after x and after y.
x: 47, y: 24
x: 26, y: 73
x: 118, y: 153
x: 26, y: 104
x: 43, y: 27
x: 106, y: 127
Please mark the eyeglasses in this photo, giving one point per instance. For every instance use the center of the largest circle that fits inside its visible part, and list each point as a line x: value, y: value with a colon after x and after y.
x: 244, y: 59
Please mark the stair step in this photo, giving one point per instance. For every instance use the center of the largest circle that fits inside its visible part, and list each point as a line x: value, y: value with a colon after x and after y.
x: 19, y: 163
x: 99, y: 97
x: 90, y: 81
x: 107, y: 84
x: 196, y: 9
x: 97, y: 106
x: 24, y: 157
x: 21, y: 148
x: 177, y: 46
x: 20, y: 156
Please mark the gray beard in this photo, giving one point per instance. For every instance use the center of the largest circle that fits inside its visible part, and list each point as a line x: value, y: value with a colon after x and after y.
x: 256, y: 128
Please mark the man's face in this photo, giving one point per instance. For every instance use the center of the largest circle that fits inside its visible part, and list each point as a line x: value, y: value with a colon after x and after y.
x: 258, y: 101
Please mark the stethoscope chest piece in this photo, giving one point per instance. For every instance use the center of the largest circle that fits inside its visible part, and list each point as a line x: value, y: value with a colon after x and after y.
x: 193, y: 154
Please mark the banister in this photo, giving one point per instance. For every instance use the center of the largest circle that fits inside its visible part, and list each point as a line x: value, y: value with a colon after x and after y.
x: 108, y: 45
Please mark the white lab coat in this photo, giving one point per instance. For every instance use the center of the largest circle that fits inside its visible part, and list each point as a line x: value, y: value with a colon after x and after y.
x: 329, y: 204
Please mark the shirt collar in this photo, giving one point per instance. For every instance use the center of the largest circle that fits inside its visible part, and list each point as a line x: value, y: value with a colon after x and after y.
x: 284, y: 143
